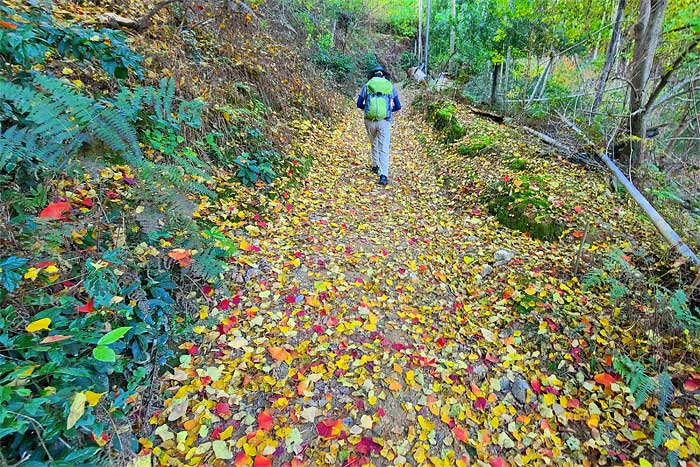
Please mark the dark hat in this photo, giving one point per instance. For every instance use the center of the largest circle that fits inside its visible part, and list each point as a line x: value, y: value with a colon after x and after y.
x: 376, y: 69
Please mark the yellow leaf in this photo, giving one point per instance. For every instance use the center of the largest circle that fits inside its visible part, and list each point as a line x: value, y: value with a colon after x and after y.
x: 426, y: 424
x: 38, y: 325
x: 226, y: 434
x: 549, y: 398
x: 77, y: 409
x: 32, y: 274
x: 67, y: 71
x: 419, y: 455
x: 673, y: 444
x: 142, y: 460
x: 592, y: 422
x: 644, y: 463
x: 93, y: 398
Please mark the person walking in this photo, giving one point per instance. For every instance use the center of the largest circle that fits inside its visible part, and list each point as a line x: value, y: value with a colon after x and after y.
x: 379, y: 100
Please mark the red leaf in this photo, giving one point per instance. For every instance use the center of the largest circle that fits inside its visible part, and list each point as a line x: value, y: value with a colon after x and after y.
x: 56, y: 210
x: 88, y: 202
x: 368, y: 446
x: 480, y: 403
x: 604, y: 379
x: 222, y: 408
x: 262, y: 461
x: 692, y: 384
x: 265, y: 421
x: 87, y: 308
x: 498, y: 462
x: 535, y: 386
x: 329, y: 428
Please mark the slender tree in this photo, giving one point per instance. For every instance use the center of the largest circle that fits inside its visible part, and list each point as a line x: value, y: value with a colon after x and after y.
x: 427, y: 37
x: 420, y: 32
x: 453, y: 34
x: 647, y: 32
x: 609, y: 55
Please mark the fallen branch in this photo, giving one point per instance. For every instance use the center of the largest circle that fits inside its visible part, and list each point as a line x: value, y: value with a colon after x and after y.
x: 661, y: 225
x: 548, y: 139
x: 114, y: 20
x: 659, y: 222
x: 485, y: 113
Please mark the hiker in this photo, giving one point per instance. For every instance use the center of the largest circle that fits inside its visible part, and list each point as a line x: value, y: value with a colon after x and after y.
x: 379, y: 100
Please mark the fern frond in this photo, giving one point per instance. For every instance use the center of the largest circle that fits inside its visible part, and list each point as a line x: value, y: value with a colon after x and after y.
x: 662, y: 432
x: 593, y: 278
x: 640, y: 384
x: 666, y: 391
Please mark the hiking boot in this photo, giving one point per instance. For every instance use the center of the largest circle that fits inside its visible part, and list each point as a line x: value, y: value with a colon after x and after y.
x: 375, y: 169
x: 383, y: 180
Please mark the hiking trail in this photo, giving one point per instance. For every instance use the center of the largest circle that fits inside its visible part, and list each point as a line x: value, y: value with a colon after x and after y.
x: 374, y: 328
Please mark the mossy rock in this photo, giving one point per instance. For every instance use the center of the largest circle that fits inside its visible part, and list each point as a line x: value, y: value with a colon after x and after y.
x: 456, y: 131
x: 517, y: 164
x: 510, y: 213
x: 475, y: 146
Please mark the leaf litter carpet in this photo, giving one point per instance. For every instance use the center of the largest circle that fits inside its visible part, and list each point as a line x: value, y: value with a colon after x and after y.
x: 376, y: 326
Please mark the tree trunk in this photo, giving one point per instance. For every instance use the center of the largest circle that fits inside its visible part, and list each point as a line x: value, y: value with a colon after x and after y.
x: 609, y: 55
x: 494, y: 83
x: 545, y: 77
x: 647, y: 32
x: 427, y: 37
x: 453, y: 35
x: 420, y: 32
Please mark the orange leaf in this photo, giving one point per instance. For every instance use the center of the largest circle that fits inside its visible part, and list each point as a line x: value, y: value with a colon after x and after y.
x: 604, y: 379
x: 517, y: 182
x: 54, y: 338
x: 262, y: 461
x: 56, y: 210
x: 7, y: 25
x: 265, y: 421
x: 242, y: 459
x: 460, y: 434
x: 278, y: 354
x: 183, y: 257
x: 394, y: 385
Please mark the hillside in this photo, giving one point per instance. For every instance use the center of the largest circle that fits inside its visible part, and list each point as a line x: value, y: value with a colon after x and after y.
x: 198, y: 266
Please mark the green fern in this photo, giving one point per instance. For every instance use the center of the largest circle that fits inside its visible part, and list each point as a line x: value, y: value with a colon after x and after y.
x: 666, y: 391
x: 593, y: 278
x: 662, y: 432
x: 209, y: 264
x: 50, y: 122
x: 617, y: 289
x: 641, y: 385
x: 685, y: 317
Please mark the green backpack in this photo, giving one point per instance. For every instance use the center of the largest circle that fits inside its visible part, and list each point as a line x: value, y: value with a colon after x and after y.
x: 379, y: 93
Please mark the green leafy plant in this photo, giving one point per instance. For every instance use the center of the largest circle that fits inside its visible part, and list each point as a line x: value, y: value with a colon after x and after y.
x: 643, y: 387
x: 37, y: 35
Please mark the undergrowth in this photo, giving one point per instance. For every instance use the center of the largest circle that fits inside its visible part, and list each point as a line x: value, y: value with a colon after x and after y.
x: 110, y: 277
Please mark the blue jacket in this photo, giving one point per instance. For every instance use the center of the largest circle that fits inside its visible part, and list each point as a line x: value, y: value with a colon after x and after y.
x: 396, y: 104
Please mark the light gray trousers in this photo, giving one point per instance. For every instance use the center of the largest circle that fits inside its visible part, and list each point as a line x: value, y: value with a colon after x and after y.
x: 379, y: 136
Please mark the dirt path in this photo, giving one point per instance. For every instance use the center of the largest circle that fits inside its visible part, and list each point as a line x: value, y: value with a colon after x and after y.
x: 375, y: 328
